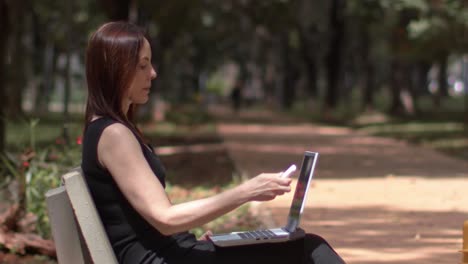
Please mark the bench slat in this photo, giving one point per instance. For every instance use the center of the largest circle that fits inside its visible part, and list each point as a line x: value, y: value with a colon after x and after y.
x: 64, y: 230
x: 87, y: 217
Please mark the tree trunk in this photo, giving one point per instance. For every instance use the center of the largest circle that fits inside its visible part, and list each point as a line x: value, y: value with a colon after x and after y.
x: 368, y: 98
x: 443, y: 76
x: 47, y: 83
x: 418, y: 82
x: 67, y: 76
x: 369, y: 81
x: 465, y: 89
x: 466, y: 110
x: 116, y: 9
x: 396, y: 106
x: 16, y: 79
x: 442, y: 81
x: 66, y: 97
x: 310, y: 60
x: 422, y: 84
x: 402, y: 97
x: 133, y: 11
x: 4, y: 29
x: 402, y: 101
x: 290, y: 74
x: 334, y: 58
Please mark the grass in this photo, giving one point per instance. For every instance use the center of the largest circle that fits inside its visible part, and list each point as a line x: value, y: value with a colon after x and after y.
x: 450, y: 109
x: 441, y: 128
x: 32, y: 131
x: 447, y: 137
x: 49, y: 128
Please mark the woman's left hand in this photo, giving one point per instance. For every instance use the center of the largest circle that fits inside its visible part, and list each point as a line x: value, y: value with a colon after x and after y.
x: 205, y: 235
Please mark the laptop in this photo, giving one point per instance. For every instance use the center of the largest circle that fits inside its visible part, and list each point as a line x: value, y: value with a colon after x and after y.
x: 290, y: 231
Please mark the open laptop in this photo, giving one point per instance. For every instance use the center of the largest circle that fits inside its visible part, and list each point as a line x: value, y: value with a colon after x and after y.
x: 290, y: 231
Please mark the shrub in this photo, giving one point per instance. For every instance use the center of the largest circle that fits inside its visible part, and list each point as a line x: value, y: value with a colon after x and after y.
x: 37, y: 171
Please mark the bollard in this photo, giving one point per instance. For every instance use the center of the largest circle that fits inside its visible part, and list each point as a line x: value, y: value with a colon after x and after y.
x: 465, y: 243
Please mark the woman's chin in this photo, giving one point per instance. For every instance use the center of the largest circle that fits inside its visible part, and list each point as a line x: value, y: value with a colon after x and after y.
x: 141, y: 101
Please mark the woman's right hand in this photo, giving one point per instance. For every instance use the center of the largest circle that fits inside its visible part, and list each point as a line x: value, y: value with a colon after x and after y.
x: 266, y: 186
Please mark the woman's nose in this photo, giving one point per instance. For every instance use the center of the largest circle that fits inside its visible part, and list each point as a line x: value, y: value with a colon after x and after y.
x: 153, y: 73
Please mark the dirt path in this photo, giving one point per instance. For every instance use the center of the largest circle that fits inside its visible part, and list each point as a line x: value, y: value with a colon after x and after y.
x: 376, y: 200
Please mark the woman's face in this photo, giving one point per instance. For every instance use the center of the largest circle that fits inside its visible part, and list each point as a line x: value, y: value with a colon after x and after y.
x: 138, y: 92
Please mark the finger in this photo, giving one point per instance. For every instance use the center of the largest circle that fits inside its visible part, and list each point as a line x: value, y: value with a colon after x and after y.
x: 284, y: 181
x: 282, y: 191
x: 284, y: 188
x: 206, y: 235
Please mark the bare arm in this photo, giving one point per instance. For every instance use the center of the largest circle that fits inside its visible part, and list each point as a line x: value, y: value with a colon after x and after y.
x: 120, y: 152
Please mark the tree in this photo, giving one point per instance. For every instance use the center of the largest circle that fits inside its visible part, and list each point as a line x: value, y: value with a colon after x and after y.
x: 17, y: 75
x: 366, y: 17
x: 116, y: 9
x: 4, y: 36
x: 334, y: 57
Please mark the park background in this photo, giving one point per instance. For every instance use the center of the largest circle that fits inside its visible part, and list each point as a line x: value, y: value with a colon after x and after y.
x: 392, y: 69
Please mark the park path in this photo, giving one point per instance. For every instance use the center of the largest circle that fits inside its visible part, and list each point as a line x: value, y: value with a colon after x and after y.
x: 376, y: 200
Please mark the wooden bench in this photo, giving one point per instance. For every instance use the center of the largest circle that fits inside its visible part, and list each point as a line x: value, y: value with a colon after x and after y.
x: 77, y: 230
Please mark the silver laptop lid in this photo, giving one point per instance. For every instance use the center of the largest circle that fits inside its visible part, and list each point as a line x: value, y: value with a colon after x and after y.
x: 300, y: 195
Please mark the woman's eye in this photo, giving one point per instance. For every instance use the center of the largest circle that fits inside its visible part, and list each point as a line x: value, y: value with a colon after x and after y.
x: 143, y: 66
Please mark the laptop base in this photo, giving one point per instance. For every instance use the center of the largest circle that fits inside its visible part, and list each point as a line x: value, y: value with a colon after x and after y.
x: 241, y: 239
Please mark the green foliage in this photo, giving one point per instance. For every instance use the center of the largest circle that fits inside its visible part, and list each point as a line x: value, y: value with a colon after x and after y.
x: 400, y: 5
x: 448, y: 137
x: 39, y: 132
x: 216, y: 85
x: 40, y: 173
x: 57, y: 19
x: 439, y: 129
x: 41, y: 176
x: 38, y: 168
x: 440, y: 27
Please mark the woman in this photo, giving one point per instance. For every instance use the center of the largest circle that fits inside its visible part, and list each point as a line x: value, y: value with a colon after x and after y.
x: 127, y: 180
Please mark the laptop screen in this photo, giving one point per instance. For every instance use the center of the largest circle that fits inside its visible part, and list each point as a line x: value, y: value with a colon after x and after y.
x: 303, y: 182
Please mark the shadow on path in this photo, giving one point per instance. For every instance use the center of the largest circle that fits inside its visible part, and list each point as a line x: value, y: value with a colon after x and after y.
x: 344, y: 153
x: 369, y: 235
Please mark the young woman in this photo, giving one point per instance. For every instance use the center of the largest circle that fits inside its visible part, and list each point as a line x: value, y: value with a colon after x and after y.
x: 127, y: 180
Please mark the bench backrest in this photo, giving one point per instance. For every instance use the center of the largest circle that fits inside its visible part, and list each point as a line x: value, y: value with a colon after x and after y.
x: 77, y: 230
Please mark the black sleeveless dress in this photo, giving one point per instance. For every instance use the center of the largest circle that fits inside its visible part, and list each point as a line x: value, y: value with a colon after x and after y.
x: 133, y: 239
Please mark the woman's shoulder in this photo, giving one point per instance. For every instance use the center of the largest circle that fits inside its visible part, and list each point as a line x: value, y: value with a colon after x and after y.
x: 105, y: 127
x: 118, y: 131
x: 112, y: 134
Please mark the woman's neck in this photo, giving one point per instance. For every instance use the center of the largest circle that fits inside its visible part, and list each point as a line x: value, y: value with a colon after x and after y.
x: 126, y: 106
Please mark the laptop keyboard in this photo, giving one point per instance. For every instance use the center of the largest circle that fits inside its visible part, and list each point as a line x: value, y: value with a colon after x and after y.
x: 257, y: 234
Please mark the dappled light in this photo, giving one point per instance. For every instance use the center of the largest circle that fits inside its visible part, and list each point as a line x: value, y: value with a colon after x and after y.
x: 453, y: 143
x: 386, y: 235
x: 286, y: 130
x: 416, y: 128
x: 343, y: 152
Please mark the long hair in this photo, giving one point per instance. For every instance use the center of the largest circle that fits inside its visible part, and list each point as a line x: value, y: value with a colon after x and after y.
x: 111, y: 62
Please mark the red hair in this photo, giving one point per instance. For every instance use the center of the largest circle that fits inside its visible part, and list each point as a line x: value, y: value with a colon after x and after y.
x: 111, y: 62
